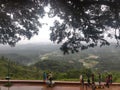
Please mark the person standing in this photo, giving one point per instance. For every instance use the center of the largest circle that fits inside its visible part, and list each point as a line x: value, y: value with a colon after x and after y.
x: 82, y: 80
x: 88, y: 79
x: 107, y: 81
x: 50, y: 78
x: 110, y: 78
x: 99, y: 78
x: 44, y: 76
x: 93, y: 80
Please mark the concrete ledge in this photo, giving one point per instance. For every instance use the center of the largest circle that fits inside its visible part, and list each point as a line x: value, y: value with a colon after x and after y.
x: 40, y: 82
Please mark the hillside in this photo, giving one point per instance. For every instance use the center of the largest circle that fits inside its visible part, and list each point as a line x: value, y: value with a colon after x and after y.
x: 28, y: 53
x: 17, y: 71
x: 105, y: 58
x: 58, y: 65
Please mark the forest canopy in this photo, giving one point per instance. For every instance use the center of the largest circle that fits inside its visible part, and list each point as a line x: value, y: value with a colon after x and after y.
x: 86, y: 23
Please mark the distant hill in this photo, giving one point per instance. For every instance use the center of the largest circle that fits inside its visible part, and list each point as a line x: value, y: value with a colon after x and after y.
x: 28, y: 53
x: 105, y: 58
x: 58, y: 65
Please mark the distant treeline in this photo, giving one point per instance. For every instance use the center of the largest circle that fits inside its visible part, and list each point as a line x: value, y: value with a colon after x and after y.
x: 60, y: 70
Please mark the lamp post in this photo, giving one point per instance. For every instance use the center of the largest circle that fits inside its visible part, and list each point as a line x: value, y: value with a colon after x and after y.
x: 8, y: 73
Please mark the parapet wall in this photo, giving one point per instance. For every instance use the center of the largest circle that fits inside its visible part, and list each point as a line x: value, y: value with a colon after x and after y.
x: 39, y: 82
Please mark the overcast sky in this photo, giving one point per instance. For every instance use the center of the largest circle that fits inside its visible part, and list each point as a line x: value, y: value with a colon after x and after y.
x: 44, y: 33
x: 43, y: 36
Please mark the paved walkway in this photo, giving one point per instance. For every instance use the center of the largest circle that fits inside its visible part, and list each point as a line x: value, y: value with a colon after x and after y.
x: 54, y: 88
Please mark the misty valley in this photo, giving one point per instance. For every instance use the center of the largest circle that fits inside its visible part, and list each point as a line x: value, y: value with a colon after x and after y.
x: 31, y: 60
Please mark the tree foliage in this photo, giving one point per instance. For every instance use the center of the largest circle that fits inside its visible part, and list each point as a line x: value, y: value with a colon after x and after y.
x: 18, y: 19
x: 86, y: 23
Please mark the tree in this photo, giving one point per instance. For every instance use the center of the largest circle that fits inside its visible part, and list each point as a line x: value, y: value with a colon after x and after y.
x: 18, y: 19
x: 85, y: 22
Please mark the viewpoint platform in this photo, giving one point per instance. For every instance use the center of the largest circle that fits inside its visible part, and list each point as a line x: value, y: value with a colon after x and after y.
x: 59, y: 85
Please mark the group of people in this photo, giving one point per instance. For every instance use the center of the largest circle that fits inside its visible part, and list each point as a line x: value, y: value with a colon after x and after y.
x: 108, y: 80
x: 91, y: 80
x: 47, y: 78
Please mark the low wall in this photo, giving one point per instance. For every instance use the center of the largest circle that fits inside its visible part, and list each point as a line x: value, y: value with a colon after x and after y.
x: 39, y: 82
